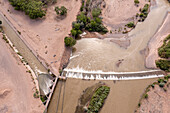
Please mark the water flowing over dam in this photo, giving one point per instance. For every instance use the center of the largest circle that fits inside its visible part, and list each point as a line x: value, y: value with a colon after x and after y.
x: 102, y: 55
x: 44, y: 79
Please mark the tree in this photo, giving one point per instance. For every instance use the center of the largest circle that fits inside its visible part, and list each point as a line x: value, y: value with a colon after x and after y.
x: 69, y: 41
x: 96, y: 12
x: 61, y: 11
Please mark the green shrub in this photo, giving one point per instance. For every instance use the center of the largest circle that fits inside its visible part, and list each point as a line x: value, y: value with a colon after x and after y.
x: 136, y: 1
x: 96, y: 12
x: 0, y: 22
x: 153, y: 85
x: 31, y: 7
x: 146, y: 96
x: 69, y: 41
x: 161, y: 84
x: 163, y: 64
x: 130, y: 25
x: 61, y: 11
x: 164, y: 50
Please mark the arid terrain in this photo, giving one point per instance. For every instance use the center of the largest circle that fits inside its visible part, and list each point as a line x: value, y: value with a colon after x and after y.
x: 116, y: 51
x: 45, y: 36
x: 16, y: 86
x: 158, y: 101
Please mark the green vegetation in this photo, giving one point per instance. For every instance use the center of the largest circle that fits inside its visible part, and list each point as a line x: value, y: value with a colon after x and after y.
x: 0, y: 22
x: 61, y: 11
x: 98, y: 98
x: 146, y: 95
x: 163, y: 65
x: 36, y: 94
x: 164, y: 52
x: 130, y: 25
x: 6, y: 40
x: 69, y: 41
x: 136, y: 1
x: 43, y: 98
x: 92, y: 23
x: 32, y: 8
x: 144, y: 12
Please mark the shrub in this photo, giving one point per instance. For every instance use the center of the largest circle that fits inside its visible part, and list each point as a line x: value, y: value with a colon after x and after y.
x: 146, y: 96
x: 136, y: 1
x: 61, y: 11
x: 96, y: 12
x: 163, y: 64
x: 161, y: 84
x: 153, y: 85
x: 0, y: 22
x: 130, y: 25
x: 164, y: 50
x: 69, y: 41
x: 31, y: 7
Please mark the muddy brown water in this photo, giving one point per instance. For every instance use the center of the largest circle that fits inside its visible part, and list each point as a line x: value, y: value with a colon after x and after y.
x: 96, y: 54
x: 101, y: 54
x: 123, y: 97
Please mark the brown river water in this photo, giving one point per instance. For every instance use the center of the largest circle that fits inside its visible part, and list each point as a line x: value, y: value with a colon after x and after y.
x: 101, y: 56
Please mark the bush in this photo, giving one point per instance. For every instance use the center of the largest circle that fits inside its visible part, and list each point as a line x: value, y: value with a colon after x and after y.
x: 164, y: 50
x: 0, y: 22
x: 163, y: 64
x: 32, y: 8
x: 136, y: 1
x: 146, y: 96
x: 69, y: 41
x: 130, y: 25
x: 96, y: 12
x: 161, y: 84
x: 61, y: 11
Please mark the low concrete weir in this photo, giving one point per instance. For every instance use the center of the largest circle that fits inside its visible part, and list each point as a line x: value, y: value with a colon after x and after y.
x: 92, y: 75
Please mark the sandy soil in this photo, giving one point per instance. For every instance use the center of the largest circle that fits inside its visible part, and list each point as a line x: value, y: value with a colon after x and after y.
x: 156, y: 42
x: 45, y: 36
x: 16, y: 86
x: 158, y: 101
x: 119, y: 12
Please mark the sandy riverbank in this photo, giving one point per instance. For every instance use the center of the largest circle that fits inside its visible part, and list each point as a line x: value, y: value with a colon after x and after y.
x: 156, y: 42
x: 16, y: 86
x: 158, y: 101
x: 45, y: 36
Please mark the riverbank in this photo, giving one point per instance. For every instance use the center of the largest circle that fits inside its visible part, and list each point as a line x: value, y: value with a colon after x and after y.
x: 156, y: 42
x: 44, y: 36
x: 16, y: 84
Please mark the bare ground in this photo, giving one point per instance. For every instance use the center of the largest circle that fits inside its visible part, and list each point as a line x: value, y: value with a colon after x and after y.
x: 120, y: 12
x: 45, y: 36
x: 16, y: 86
x: 158, y: 101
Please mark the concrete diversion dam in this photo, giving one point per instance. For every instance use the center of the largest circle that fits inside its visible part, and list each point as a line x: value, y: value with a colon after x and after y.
x: 45, y: 81
x: 94, y: 60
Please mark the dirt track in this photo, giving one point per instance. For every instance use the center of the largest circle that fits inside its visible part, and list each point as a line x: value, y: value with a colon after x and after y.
x: 16, y: 86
